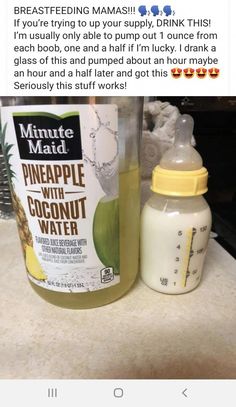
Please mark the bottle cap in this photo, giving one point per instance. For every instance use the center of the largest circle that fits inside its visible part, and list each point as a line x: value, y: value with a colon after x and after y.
x: 179, y: 183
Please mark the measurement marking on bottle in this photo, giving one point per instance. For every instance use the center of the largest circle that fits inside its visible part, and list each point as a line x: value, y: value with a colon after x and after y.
x: 187, y: 256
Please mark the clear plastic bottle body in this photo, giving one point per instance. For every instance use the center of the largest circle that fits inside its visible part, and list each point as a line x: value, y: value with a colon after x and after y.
x: 174, y: 237
x: 129, y: 132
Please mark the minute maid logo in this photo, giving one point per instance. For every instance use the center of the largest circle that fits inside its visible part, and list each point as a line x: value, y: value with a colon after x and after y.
x: 46, y: 136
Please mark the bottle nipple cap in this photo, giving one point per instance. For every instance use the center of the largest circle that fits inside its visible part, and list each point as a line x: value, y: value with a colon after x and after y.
x: 182, y: 156
x: 180, y: 172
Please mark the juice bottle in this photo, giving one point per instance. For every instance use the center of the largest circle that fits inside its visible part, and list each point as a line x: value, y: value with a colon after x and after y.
x: 73, y: 167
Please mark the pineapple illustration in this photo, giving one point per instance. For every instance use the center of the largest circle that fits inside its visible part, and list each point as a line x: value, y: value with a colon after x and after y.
x: 22, y: 222
x: 25, y: 234
x: 21, y: 219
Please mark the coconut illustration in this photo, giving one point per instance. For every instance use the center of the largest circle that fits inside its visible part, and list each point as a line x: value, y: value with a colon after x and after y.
x: 106, y: 232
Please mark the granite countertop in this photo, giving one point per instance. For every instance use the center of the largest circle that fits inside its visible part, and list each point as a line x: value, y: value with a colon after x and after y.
x: 144, y: 335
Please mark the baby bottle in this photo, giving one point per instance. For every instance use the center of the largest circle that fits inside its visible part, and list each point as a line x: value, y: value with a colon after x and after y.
x: 176, y: 220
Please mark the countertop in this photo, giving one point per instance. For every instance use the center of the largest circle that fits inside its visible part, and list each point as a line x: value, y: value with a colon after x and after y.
x: 144, y: 335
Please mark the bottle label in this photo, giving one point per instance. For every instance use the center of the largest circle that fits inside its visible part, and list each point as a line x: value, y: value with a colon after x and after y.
x: 63, y: 167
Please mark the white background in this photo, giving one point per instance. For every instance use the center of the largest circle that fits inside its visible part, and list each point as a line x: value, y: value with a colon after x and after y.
x: 222, y: 16
x: 87, y: 393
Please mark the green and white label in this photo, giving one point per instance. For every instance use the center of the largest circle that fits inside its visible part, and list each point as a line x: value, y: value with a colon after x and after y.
x: 63, y: 166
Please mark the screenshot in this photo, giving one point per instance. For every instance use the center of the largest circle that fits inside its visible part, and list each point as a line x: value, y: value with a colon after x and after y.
x: 117, y: 203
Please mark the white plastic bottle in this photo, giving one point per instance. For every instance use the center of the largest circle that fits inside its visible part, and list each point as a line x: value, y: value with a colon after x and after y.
x: 176, y: 220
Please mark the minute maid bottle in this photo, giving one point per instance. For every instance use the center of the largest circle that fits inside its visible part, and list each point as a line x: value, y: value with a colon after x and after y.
x: 176, y: 220
x: 74, y: 177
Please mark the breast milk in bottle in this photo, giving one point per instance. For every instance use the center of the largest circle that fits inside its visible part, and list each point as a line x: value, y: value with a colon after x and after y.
x: 176, y: 220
